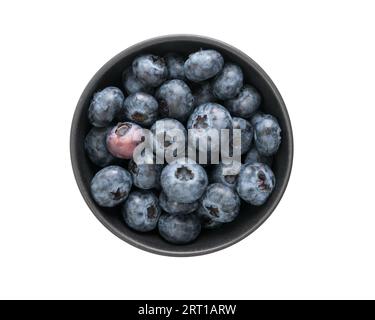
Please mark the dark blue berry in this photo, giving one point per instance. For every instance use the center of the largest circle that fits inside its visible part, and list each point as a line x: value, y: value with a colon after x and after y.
x: 203, y: 65
x: 141, y: 108
x: 111, y: 186
x: 179, y: 229
x: 105, y: 106
x: 228, y: 82
x: 256, y: 117
x: 267, y: 136
x: 210, y: 115
x: 145, y: 175
x: 96, y: 147
x: 141, y: 211
x: 220, y: 203
x: 203, y: 94
x: 175, y: 100
x: 245, y: 104
x: 132, y: 84
x: 183, y: 181
x: 204, y: 118
x: 247, y: 133
x: 150, y: 70
x: 175, y: 65
x: 255, y: 183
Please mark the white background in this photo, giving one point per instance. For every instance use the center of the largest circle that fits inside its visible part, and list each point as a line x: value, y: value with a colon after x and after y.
x: 319, y: 243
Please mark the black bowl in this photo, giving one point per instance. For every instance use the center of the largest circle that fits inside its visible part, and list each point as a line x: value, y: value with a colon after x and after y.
x: 250, y: 217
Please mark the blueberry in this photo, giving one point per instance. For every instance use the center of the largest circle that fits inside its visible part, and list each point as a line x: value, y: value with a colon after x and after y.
x: 150, y: 70
x: 220, y: 203
x: 226, y: 177
x: 111, y: 186
x: 141, y: 211
x: 175, y: 99
x: 124, y: 138
x: 210, y: 115
x: 183, y: 181
x: 203, y: 65
x: 175, y: 65
x: 132, y: 84
x: 141, y: 108
x: 255, y: 183
x: 105, y: 106
x: 179, y: 229
x: 174, y: 207
x: 204, y: 118
x: 207, y: 222
x: 245, y: 104
x: 145, y: 175
x: 254, y: 156
x: 96, y: 147
x: 267, y: 135
x: 203, y: 94
x: 256, y: 117
x: 165, y: 136
x: 228, y: 82
x: 247, y: 133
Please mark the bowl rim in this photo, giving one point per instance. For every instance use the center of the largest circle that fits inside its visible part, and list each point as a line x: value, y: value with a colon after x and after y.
x: 141, y: 46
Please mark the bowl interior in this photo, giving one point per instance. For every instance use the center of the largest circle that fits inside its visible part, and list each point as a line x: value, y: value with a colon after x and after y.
x: 210, y: 240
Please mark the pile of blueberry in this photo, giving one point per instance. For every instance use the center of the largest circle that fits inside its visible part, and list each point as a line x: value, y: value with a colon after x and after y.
x: 181, y: 197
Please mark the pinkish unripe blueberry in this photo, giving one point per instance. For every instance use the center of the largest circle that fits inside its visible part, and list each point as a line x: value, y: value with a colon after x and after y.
x: 123, y: 139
